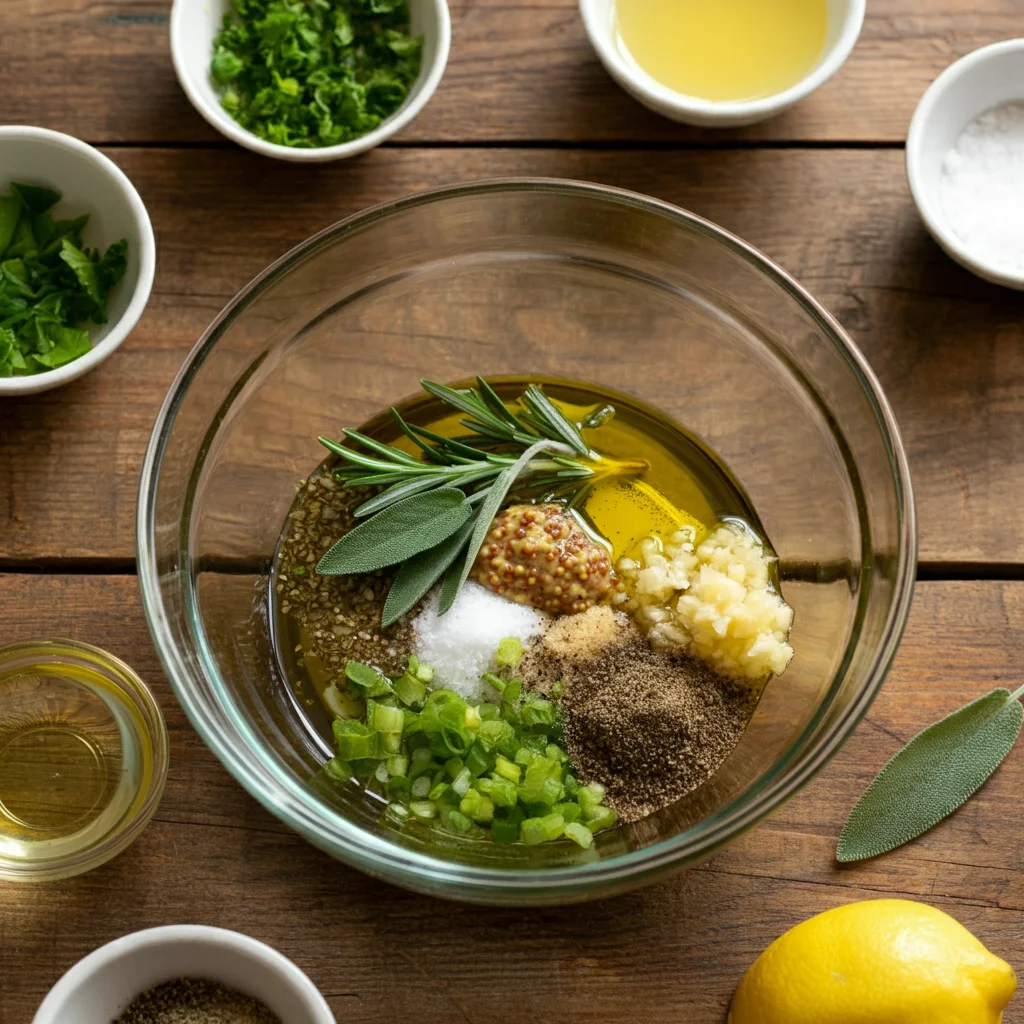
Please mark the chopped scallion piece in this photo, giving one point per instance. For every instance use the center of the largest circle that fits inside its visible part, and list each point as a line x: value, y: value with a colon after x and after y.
x: 509, y: 652
x: 542, y: 830
x: 507, y: 769
x: 579, y: 834
x: 387, y: 719
x: 462, y: 782
x: 426, y: 810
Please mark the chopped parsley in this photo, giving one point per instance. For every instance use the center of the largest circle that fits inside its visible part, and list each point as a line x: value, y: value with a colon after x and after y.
x: 314, y: 73
x: 50, y: 285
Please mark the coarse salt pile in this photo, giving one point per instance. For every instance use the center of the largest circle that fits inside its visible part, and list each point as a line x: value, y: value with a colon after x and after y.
x: 982, y: 186
x: 460, y: 644
x: 713, y: 600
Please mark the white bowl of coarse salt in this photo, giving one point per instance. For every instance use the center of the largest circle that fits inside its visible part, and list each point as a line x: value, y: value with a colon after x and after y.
x: 965, y: 161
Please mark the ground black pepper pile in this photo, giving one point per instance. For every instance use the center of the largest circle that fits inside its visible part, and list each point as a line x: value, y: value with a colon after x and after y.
x: 196, y: 1001
x: 647, y: 725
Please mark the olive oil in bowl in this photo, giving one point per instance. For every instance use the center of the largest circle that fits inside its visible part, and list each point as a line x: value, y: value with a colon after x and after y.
x: 723, y: 51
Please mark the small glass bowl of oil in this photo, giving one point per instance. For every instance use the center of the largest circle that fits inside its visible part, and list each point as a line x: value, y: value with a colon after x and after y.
x: 83, y: 758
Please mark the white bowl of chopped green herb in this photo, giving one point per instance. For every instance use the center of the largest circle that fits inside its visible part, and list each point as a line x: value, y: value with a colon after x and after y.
x: 309, y: 81
x: 183, y: 973
x: 77, y: 258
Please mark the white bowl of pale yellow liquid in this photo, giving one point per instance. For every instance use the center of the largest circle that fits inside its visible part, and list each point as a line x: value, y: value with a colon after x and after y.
x: 725, y: 63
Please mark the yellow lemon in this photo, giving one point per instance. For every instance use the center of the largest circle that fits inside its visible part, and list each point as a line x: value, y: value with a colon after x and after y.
x: 876, y: 962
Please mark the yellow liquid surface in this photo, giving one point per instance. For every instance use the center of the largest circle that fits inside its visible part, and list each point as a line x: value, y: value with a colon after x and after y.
x: 75, y: 760
x: 724, y: 50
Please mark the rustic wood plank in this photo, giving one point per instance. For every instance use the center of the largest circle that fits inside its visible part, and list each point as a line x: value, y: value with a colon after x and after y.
x: 102, y: 71
x: 946, y: 346
x: 213, y: 856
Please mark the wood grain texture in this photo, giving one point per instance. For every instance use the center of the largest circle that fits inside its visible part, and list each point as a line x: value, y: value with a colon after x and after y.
x: 946, y: 347
x: 517, y: 71
x: 213, y: 856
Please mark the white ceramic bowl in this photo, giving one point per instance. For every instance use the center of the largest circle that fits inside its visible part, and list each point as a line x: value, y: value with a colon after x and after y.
x: 845, y: 20
x: 195, y: 23
x: 975, y: 83
x: 92, y: 184
x: 103, y: 984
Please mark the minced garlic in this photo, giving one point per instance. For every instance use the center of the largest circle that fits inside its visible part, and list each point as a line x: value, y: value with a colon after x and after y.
x: 713, y: 600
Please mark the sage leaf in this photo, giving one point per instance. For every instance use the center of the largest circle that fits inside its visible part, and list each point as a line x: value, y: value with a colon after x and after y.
x: 398, y: 532
x: 459, y: 570
x: 933, y: 775
x: 419, y: 573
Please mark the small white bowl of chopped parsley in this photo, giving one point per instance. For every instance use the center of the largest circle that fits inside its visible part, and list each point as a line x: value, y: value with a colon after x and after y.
x: 77, y: 258
x: 309, y: 80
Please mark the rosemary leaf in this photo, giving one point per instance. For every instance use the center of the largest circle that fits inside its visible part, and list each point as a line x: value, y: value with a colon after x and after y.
x: 934, y: 774
x: 398, y: 532
x: 419, y: 573
x: 496, y: 405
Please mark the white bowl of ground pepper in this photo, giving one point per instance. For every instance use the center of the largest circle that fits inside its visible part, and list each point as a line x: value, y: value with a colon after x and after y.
x: 184, y: 974
x: 965, y: 162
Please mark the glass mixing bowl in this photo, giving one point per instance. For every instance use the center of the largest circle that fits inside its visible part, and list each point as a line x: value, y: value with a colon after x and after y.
x: 525, y: 277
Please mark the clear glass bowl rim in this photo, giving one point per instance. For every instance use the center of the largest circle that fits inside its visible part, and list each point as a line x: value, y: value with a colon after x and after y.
x: 376, y: 855
x: 134, y: 690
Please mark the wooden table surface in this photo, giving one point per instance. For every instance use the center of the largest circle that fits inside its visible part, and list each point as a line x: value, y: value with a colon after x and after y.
x: 820, y: 189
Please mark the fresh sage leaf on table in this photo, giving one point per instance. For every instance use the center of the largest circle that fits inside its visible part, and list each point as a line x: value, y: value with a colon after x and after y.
x: 398, y: 532
x: 934, y: 774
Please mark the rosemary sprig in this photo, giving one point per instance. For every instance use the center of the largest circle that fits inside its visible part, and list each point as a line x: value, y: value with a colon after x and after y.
x: 534, y: 441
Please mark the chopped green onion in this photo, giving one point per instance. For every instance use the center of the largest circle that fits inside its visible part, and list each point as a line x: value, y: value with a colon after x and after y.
x: 477, y: 806
x: 409, y: 689
x: 599, y: 818
x: 507, y: 769
x: 504, y: 793
x: 478, y: 760
x: 571, y: 812
x: 509, y: 652
x: 579, y: 834
x: 487, y: 769
x: 390, y: 742
x: 338, y: 769
x: 421, y: 760
x: 590, y: 797
x: 496, y: 681
x: 459, y: 821
x: 427, y: 809
x: 462, y: 782
x: 367, y: 680
x: 541, y: 830
x: 354, y: 741
x: 387, y: 719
